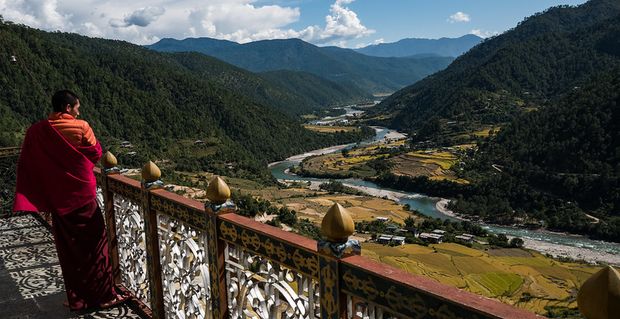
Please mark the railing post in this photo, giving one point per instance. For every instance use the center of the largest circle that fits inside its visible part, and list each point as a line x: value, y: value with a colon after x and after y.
x: 218, y: 194
x: 150, y: 180
x: 599, y: 296
x: 109, y: 163
x: 337, y: 226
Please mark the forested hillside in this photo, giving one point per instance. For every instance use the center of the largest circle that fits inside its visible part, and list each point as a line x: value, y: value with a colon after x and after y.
x: 555, y: 165
x: 292, y: 92
x: 316, y: 89
x: 150, y: 99
x: 541, y: 59
x: 344, y: 66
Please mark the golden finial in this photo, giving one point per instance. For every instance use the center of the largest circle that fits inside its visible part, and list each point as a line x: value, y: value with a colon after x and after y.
x: 217, y: 191
x: 150, y: 172
x: 337, y: 225
x: 599, y: 296
x: 109, y: 160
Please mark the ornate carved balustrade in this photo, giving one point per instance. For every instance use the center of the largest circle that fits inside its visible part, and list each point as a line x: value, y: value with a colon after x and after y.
x: 184, y: 259
x: 8, y: 171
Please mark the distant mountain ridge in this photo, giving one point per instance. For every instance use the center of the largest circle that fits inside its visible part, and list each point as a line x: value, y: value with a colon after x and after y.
x: 542, y: 58
x: 414, y: 46
x: 343, y: 66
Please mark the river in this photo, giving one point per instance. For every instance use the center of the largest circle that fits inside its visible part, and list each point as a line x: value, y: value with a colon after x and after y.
x: 556, y: 244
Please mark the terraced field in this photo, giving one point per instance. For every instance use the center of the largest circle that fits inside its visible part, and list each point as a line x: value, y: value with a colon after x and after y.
x: 522, y: 278
x: 435, y: 164
x: 331, y: 129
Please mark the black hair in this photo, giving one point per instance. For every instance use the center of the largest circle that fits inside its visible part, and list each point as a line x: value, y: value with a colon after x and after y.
x: 62, y: 98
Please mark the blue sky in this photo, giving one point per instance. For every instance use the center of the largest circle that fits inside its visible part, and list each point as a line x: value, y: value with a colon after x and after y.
x: 347, y: 23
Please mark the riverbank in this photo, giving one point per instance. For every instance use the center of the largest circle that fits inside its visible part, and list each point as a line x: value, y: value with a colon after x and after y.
x: 570, y: 252
x: 548, y: 248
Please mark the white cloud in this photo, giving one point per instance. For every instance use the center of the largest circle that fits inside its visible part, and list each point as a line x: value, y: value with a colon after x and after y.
x: 38, y: 14
x: 459, y: 17
x: 342, y: 24
x: 147, y: 21
x: 364, y: 44
x: 141, y: 17
x: 483, y: 33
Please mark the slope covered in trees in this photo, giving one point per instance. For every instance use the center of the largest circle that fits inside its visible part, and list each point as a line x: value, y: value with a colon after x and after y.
x: 151, y: 99
x: 292, y: 92
x: 555, y: 165
x: 344, y: 66
x: 543, y: 57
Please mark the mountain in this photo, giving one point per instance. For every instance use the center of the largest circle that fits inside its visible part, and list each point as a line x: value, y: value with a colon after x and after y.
x: 151, y: 99
x: 292, y: 92
x: 408, y: 47
x: 343, y: 66
x: 541, y: 59
x: 557, y: 164
x: 316, y: 89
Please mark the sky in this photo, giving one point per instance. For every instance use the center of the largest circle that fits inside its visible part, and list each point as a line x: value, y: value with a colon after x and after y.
x: 344, y: 23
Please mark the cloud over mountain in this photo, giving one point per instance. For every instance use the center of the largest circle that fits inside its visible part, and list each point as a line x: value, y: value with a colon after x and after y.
x: 146, y: 21
x: 459, y: 17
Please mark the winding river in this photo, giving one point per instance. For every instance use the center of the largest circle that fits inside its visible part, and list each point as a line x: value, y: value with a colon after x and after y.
x: 557, y: 244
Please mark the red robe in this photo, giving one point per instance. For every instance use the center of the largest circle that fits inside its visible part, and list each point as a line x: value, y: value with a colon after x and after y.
x: 56, y: 177
x: 52, y: 175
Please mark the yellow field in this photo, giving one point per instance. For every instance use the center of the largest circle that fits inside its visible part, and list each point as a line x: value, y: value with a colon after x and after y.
x: 331, y: 129
x: 507, y: 277
x: 445, y: 160
x: 336, y: 163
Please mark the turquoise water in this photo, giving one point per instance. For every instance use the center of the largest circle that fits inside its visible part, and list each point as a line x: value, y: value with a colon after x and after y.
x: 427, y: 206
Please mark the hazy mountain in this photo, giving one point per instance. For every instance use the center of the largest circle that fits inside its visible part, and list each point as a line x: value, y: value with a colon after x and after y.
x: 344, y: 66
x: 408, y: 47
x: 544, y: 57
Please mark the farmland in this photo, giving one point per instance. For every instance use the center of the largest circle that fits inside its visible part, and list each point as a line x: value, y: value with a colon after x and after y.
x: 519, y: 277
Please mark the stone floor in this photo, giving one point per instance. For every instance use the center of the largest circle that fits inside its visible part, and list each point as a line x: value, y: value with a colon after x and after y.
x: 31, y: 284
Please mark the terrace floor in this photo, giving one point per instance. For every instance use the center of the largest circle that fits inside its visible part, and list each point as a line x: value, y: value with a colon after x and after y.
x: 31, y: 284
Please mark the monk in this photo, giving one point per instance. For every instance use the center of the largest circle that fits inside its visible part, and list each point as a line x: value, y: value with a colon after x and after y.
x: 55, y: 175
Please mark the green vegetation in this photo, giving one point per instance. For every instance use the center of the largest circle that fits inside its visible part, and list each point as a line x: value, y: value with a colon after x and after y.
x: 152, y: 100
x: 321, y: 92
x: 556, y: 165
x: 337, y: 187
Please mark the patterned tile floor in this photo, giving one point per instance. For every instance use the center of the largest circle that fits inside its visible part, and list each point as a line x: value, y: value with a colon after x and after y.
x: 31, y: 284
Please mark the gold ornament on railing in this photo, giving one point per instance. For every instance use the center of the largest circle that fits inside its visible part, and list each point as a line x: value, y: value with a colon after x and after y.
x: 217, y: 191
x: 337, y: 225
x: 599, y: 296
x: 108, y: 160
x: 150, y: 172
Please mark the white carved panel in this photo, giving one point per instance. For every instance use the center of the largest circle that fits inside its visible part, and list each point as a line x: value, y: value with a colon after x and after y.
x: 185, y: 271
x: 132, y: 247
x: 261, y: 288
x: 366, y: 310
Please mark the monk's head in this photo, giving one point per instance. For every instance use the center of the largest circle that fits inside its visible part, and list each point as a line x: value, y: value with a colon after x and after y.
x: 66, y: 101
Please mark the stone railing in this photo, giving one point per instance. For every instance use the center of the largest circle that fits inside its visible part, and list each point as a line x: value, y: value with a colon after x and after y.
x: 184, y: 259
